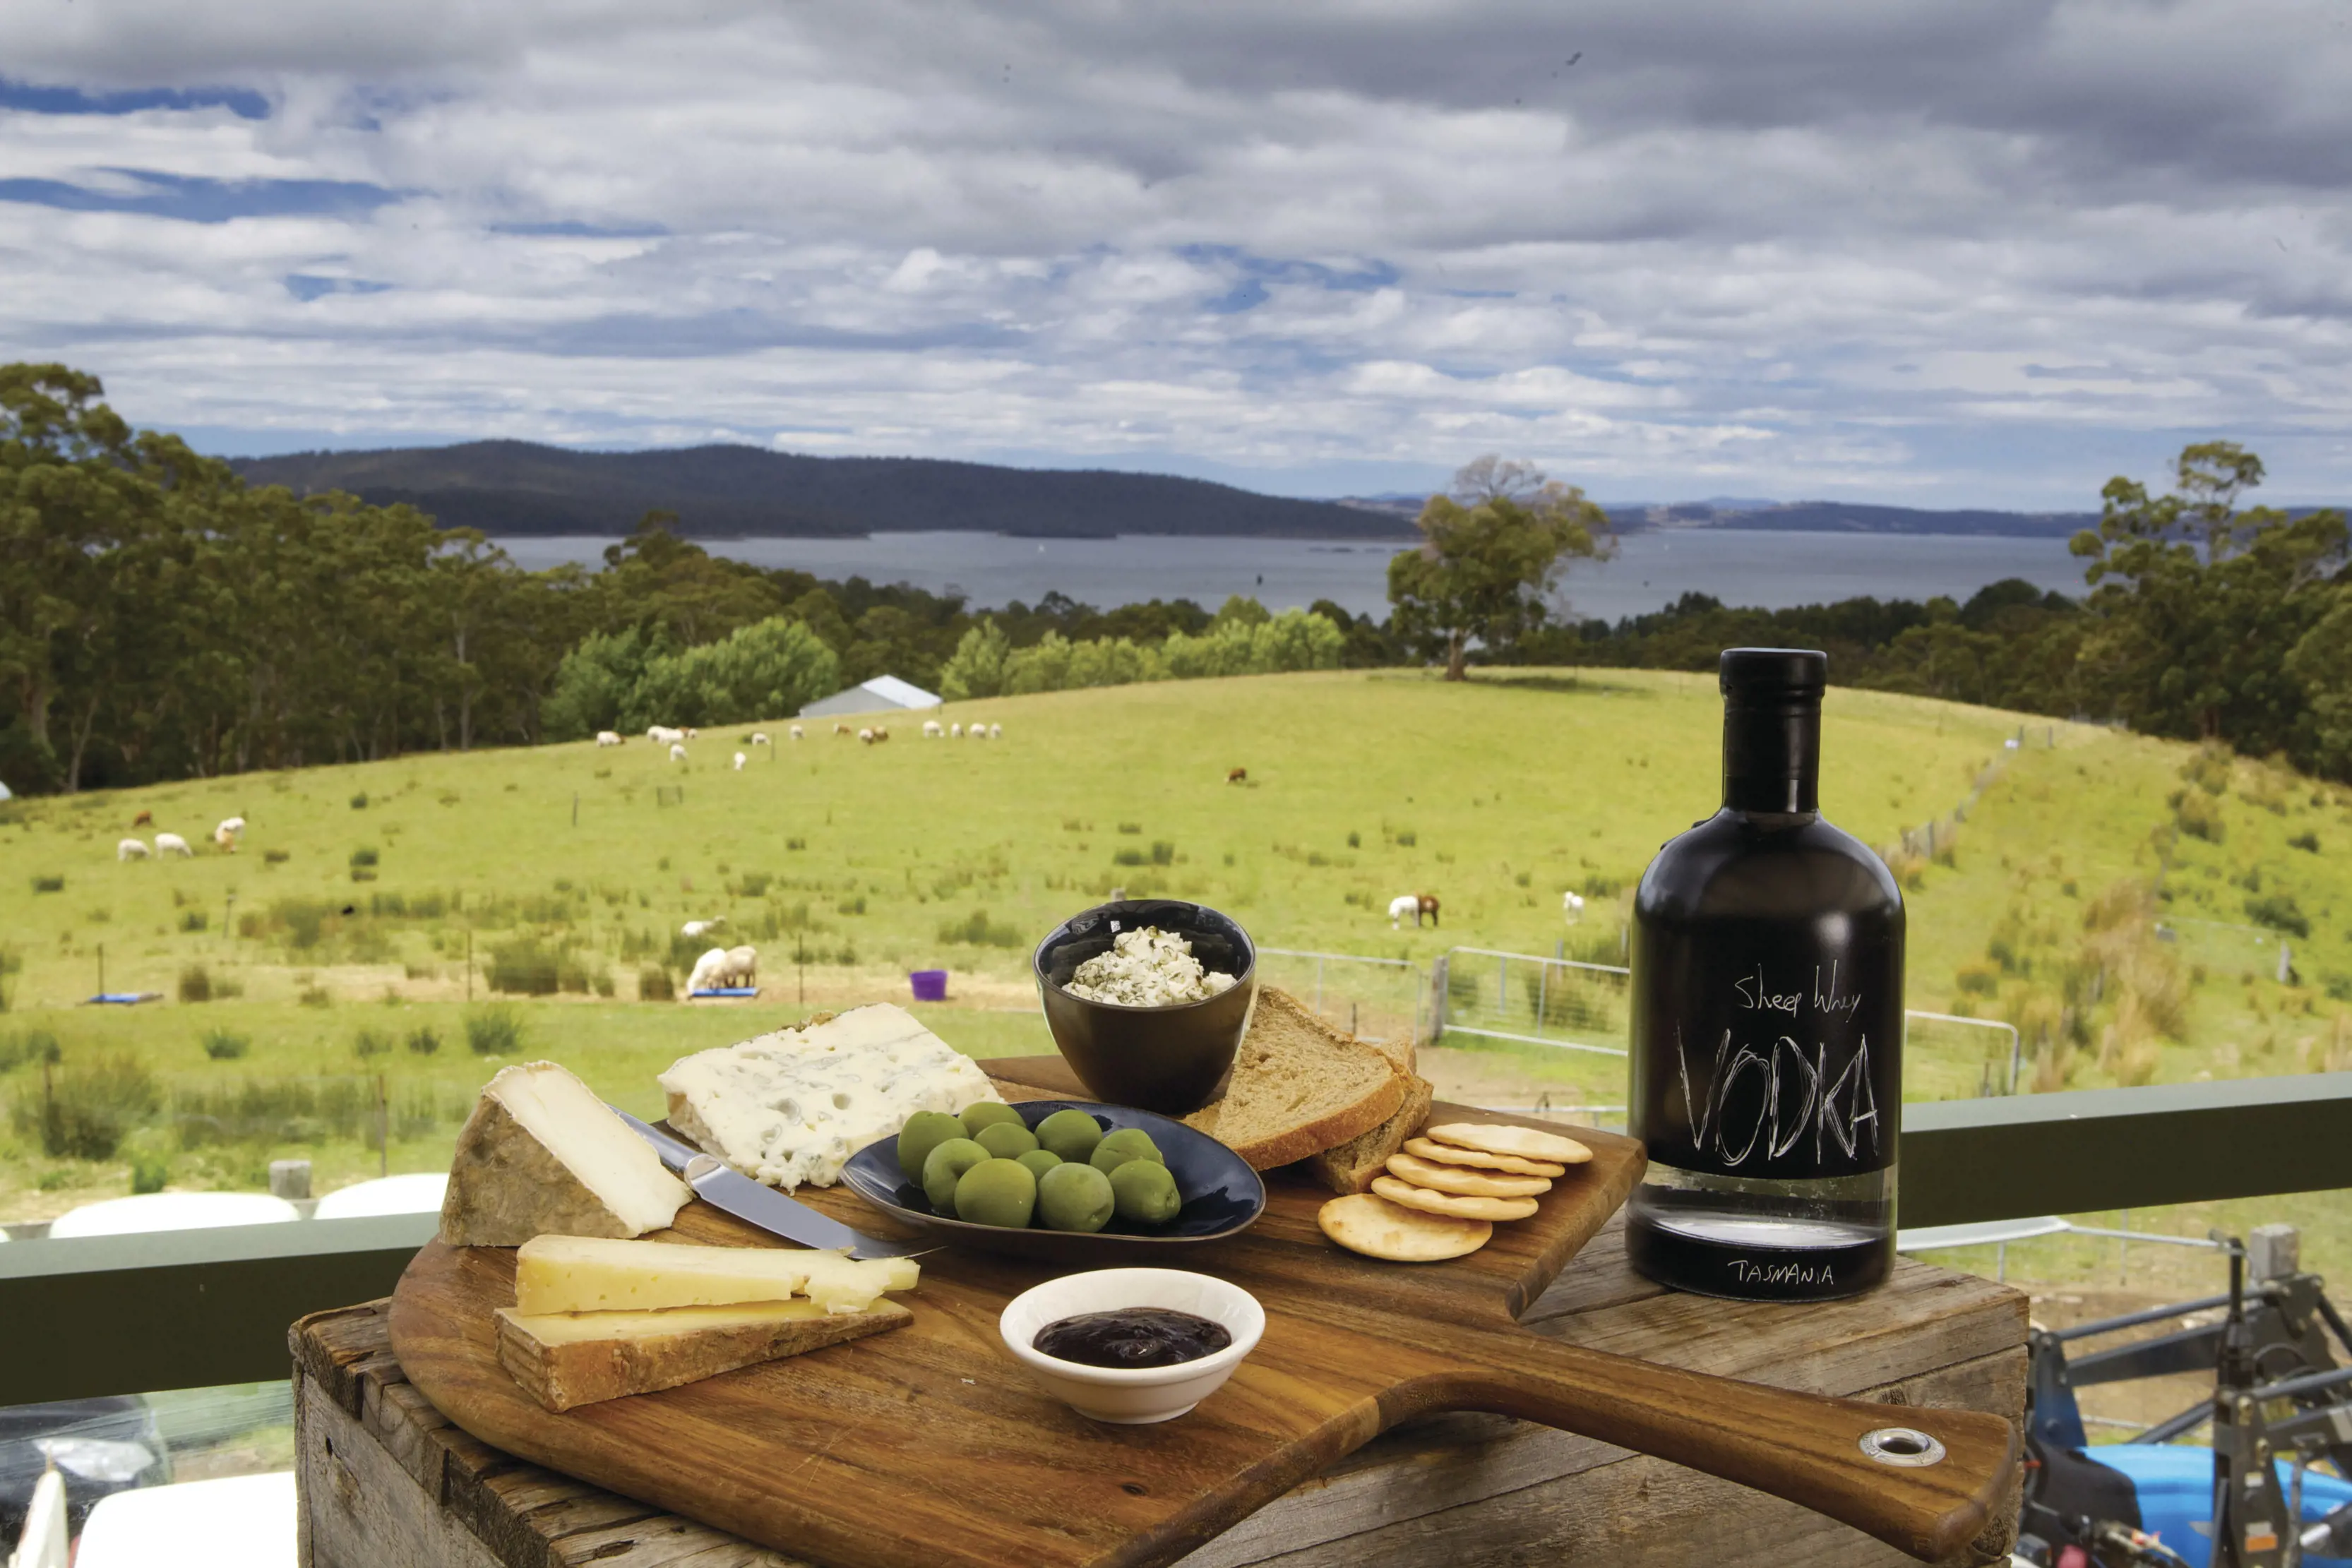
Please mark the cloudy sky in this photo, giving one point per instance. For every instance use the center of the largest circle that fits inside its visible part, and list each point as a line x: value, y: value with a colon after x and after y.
x: 1975, y: 253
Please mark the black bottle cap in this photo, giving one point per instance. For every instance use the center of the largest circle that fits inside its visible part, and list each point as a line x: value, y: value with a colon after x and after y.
x: 1774, y: 672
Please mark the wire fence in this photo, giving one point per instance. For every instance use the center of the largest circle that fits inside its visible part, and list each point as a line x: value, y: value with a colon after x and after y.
x: 1378, y: 999
x: 1573, y: 1004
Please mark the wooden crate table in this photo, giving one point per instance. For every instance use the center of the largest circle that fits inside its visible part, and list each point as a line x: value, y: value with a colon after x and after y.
x: 386, y: 1482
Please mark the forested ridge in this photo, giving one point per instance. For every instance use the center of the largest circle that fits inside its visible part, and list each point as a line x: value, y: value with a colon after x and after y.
x: 160, y: 617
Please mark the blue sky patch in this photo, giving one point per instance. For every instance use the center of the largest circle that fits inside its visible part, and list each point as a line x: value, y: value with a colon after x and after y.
x: 1257, y: 272
x: 196, y: 199
x: 309, y: 285
x: 242, y: 102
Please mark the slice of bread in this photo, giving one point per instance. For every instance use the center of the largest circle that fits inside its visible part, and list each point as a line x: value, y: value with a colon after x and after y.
x: 1299, y: 1086
x: 1351, y: 1167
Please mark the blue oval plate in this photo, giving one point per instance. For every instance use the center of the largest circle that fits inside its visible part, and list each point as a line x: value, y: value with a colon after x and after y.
x: 1222, y: 1197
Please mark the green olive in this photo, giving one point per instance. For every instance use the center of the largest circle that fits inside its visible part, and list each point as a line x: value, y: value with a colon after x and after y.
x: 944, y: 1167
x: 997, y: 1192
x: 1072, y: 1197
x: 983, y: 1114
x: 1126, y: 1143
x: 1144, y: 1193
x: 1039, y: 1161
x: 925, y: 1131
x: 1006, y: 1140
x: 1071, y: 1133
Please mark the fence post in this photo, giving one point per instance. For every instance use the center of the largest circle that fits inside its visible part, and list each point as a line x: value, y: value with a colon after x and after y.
x: 1437, y: 981
x: 1543, y: 996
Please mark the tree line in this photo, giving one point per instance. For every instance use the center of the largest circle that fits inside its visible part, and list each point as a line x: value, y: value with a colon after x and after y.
x: 161, y: 619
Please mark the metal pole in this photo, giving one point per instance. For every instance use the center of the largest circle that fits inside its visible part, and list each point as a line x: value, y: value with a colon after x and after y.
x: 1543, y: 996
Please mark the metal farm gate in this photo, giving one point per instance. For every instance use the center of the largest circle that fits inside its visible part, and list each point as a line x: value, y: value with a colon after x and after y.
x: 1376, y: 999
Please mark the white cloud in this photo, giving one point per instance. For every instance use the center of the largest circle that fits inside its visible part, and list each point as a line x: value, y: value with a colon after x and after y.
x: 1943, y: 252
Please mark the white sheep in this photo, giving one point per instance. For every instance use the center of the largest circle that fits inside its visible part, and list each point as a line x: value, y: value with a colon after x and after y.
x: 232, y: 826
x: 866, y: 736
x: 795, y: 732
x: 130, y: 850
x: 977, y: 732
x: 932, y: 730
x: 662, y: 735
x: 1572, y: 905
x: 607, y: 738
x: 955, y: 731
x: 739, y: 762
x: 742, y: 967
x: 759, y: 737
x: 173, y: 844
x: 692, y: 733
x: 707, y: 970
x: 676, y: 752
x: 693, y: 929
x: 996, y: 732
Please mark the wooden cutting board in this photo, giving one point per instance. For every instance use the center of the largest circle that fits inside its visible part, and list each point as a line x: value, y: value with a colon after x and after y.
x: 930, y: 1444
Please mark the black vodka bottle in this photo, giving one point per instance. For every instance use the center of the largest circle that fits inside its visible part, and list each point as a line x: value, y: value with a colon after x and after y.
x: 1766, y: 1022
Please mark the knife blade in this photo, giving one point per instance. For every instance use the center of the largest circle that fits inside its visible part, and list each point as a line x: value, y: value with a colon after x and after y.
x: 722, y: 1186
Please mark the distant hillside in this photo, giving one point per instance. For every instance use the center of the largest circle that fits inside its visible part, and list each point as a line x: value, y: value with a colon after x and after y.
x: 519, y: 487
x: 1797, y: 516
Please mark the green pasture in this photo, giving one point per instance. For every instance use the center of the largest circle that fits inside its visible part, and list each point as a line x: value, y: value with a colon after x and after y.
x: 370, y: 901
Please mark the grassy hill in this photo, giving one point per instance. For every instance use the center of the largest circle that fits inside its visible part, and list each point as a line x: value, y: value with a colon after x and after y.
x: 344, y: 923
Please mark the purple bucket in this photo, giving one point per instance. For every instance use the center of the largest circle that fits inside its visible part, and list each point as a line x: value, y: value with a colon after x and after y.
x: 930, y: 985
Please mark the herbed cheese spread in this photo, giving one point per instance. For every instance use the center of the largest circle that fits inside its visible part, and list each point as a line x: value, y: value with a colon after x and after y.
x: 1147, y: 967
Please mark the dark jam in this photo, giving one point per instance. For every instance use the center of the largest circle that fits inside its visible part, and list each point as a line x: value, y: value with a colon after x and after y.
x: 1133, y: 1337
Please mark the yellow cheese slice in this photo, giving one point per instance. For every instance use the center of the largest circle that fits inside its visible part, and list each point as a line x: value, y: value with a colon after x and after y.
x: 592, y: 1274
x: 568, y: 1359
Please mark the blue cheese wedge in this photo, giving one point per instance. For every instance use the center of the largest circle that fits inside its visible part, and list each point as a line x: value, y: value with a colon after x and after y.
x: 790, y: 1108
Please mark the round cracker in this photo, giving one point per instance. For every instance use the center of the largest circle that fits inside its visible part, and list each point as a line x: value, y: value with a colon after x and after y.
x: 1527, y: 1142
x: 1447, y: 1155
x: 1464, y: 1181
x: 1450, y: 1203
x: 1379, y: 1228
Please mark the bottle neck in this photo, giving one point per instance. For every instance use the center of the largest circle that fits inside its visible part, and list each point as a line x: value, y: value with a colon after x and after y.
x: 1772, y: 755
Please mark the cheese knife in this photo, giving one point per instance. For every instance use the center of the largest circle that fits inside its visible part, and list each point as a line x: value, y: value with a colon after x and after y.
x: 722, y: 1186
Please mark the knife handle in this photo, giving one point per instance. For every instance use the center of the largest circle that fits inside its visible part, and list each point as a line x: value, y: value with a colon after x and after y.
x: 1806, y: 1447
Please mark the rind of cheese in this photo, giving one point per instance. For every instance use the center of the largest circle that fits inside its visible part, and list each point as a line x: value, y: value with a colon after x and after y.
x: 564, y: 1359
x: 790, y: 1108
x: 590, y: 1274
x: 543, y: 1155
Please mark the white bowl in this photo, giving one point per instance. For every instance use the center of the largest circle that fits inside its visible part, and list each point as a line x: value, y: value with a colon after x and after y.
x: 1125, y: 1395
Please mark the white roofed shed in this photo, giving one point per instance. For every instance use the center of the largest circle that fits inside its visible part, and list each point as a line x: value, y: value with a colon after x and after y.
x: 882, y: 693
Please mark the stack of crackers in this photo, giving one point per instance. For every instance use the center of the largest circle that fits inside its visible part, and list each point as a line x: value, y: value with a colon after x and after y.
x: 1442, y: 1193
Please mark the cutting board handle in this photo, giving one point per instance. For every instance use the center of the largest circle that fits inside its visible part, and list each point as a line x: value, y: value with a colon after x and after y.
x: 1806, y: 1447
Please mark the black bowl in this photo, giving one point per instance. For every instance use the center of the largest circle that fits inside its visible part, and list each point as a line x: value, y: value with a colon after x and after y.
x: 1170, y: 1059
x: 1221, y: 1196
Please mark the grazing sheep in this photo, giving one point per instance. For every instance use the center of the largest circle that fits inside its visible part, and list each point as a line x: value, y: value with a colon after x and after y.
x: 759, y: 737
x: 693, y: 929
x: 144, y: 819
x: 1572, y: 905
x: 977, y: 732
x: 707, y: 970
x: 739, y: 762
x: 865, y: 735
x: 607, y: 738
x: 955, y: 732
x: 742, y: 967
x: 130, y: 850
x: 1236, y: 775
x: 676, y: 752
x: 663, y: 735
x: 232, y: 826
x: 881, y: 732
x: 692, y: 733
x: 996, y: 732
x: 223, y: 840
x: 794, y: 732
x: 173, y: 844
x: 932, y: 730
x: 841, y: 729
